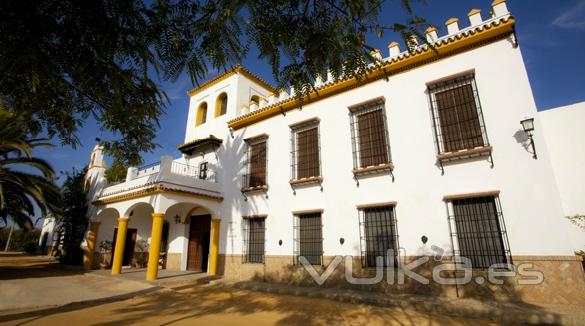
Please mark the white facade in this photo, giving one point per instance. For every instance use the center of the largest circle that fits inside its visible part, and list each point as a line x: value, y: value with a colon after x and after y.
x: 531, y: 203
x: 565, y: 139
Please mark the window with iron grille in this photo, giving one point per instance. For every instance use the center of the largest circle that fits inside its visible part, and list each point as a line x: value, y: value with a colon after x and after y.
x: 308, y: 238
x: 253, y: 232
x: 378, y: 234
x: 369, y: 134
x: 457, y: 116
x: 255, y: 163
x: 478, y: 231
x: 305, y: 160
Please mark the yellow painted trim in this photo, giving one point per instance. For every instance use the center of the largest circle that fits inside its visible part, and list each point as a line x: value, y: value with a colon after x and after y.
x: 236, y: 70
x: 153, y: 191
x: 218, y: 104
x: 444, y: 48
x: 473, y: 12
x: 201, y: 115
x: 154, y: 250
x: 120, y: 243
x: 90, y: 241
x: 451, y: 21
x: 214, y: 250
x: 431, y: 29
x: 497, y: 2
x: 393, y: 44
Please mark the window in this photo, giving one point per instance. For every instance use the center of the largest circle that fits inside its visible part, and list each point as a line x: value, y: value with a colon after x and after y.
x: 253, y: 235
x: 308, y: 237
x: 457, y: 116
x: 255, y: 163
x: 369, y: 135
x: 203, y: 171
x: 305, y: 162
x: 201, y: 114
x: 221, y: 105
x: 477, y: 230
x: 378, y: 234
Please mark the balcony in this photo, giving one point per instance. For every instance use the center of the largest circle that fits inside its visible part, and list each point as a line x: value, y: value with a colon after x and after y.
x: 168, y: 174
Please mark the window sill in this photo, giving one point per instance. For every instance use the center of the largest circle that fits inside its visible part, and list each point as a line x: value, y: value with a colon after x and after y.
x: 305, y: 181
x: 465, y: 153
x: 374, y: 169
x: 256, y: 188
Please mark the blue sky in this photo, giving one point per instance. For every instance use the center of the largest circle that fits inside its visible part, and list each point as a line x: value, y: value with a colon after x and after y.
x: 551, y: 36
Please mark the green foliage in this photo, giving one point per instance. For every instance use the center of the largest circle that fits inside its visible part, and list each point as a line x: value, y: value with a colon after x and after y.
x: 117, y: 172
x: 105, y: 246
x: 22, y: 240
x: 63, y: 61
x: 21, y: 190
x: 73, y: 222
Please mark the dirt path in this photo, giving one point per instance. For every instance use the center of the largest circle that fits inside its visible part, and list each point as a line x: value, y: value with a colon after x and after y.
x: 208, y: 305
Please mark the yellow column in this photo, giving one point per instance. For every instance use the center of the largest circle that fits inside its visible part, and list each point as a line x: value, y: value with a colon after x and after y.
x: 154, y: 251
x: 91, y: 237
x: 214, y: 251
x: 120, y: 242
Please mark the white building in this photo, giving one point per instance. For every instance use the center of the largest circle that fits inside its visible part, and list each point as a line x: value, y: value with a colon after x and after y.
x: 427, y: 154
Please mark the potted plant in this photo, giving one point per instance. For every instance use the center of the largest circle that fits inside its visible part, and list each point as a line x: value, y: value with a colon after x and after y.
x: 141, y: 254
x: 105, y: 254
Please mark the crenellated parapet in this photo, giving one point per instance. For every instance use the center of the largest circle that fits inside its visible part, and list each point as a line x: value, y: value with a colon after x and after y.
x: 458, y: 37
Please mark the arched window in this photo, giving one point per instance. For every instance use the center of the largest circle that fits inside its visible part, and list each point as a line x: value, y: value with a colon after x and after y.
x: 221, y: 105
x: 255, y: 99
x: 201, y: 114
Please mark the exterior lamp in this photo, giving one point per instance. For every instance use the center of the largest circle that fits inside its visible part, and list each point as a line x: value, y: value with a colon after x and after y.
x: 177, y: 219
x: 528, y: 126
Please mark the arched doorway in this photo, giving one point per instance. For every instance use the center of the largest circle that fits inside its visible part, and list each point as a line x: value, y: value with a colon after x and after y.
x: 198, y: 248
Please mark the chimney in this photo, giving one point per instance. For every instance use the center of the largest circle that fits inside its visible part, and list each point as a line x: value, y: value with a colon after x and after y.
x: 499, y: 7
x: 318, y: 81
x: 475, y: 17
x: 432, y: 34
x: 376, y: 54
x: 394, y: 49
x: 452, y: 26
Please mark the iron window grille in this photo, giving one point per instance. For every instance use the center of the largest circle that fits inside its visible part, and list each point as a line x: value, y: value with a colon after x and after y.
x: 478, y: 231
x: 369, y: 134
x: 457, y: 116
x: 308, y: 238
x: 305, y: 150
x: 378, y: 234
x: 254, y: 239
x: 255, y: 163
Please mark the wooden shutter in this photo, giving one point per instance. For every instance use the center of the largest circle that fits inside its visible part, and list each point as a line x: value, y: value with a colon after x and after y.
x: 373, y: 149
x: 459, y: 120
x: 258, y: 164
x: 308, y: 153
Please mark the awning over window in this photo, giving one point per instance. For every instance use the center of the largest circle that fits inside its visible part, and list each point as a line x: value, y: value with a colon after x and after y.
x: 201, y: 144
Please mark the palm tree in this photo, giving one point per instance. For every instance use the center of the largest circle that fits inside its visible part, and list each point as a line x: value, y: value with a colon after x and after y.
x: 25, y: 181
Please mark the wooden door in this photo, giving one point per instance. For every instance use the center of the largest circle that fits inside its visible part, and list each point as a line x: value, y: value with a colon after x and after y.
x: 128, y: 246
x: 198, y: 251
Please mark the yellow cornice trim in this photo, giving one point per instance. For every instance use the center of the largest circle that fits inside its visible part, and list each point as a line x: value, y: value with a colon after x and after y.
x: 444, y: 48
x: 451, y: 21
x: 497, y: 2
x: 473, y: 12
x: 236, y: 70
x: 153, y: 191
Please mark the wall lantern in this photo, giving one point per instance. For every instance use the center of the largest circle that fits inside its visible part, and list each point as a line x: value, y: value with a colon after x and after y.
x: 528, y: 126
x: 177, y: 219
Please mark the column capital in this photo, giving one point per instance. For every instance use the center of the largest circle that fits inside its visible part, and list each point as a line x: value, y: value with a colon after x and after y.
x: 158, y: 215
x: 123, y: 219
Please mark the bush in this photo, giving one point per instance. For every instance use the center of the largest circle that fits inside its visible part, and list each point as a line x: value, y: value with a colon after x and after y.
x: 22, y: 240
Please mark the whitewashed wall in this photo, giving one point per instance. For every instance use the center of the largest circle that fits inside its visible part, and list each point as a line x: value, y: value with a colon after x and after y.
x: 529, y: 198
x: 565, y: 139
